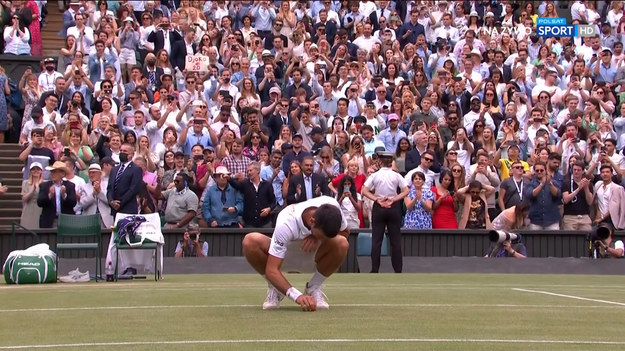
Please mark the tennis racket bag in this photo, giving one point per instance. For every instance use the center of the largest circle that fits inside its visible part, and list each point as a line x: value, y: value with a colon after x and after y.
x: 35, y: 265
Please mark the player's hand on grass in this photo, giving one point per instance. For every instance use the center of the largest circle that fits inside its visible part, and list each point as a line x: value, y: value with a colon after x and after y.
x: 307, y: 303
x: 310, y: 244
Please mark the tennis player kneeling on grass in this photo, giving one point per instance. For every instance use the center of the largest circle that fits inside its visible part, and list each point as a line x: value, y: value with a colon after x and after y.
x: 322, y: 230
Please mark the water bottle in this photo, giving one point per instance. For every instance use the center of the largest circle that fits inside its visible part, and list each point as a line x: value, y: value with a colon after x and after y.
x: 109, y: 271
x: 180, y: 80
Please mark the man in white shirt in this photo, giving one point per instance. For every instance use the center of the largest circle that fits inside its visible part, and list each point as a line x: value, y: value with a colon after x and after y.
x: 318, y: 227
x: 470, y: 118
x: 366, y: 41
x: 427, y: 159
x: 578, y: 11
x: 93, y: 196
x: 82, y: 33
x: 550, y: 86
x: 47, y: 79
x: 447, y: 31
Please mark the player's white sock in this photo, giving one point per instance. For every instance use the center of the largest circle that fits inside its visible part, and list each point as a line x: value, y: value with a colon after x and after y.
x: 317, y: 279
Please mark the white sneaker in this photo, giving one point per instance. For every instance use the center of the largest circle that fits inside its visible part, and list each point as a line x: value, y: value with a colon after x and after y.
x: 272, y: 302
x: 74, y: 272
x: 75, y: 277
x: 320, y: 297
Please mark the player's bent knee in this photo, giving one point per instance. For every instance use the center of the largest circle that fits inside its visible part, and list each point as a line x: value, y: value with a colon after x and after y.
x: 253, y: 240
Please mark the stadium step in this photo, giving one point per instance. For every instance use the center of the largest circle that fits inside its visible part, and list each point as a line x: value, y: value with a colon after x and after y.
x: 11, y: 182
x: 11, y: 173
x: 52, y: 42
x: 6, y: 221
x: 9, y: 152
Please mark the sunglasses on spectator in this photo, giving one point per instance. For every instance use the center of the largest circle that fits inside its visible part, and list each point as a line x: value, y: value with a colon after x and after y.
x: 456, y: 170
x: 428, y: 159
x: 452, y: 153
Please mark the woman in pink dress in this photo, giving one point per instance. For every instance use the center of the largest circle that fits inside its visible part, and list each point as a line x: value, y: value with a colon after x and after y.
x: 36, y: 47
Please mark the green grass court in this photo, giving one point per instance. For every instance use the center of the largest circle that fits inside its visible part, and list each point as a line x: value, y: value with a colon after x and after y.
x: 368, y: 312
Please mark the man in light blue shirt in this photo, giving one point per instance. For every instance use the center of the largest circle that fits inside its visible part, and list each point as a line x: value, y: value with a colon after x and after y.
x: 391, y: 135
x: 603, y: 70
x: 273, y: 173
x: 264, y: 13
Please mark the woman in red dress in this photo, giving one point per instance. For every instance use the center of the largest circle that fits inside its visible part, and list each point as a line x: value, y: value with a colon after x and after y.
x: 445, y: 207
x: 36, y: 46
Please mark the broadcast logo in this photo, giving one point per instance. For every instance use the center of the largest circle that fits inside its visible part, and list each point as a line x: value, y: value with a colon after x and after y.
x: 557, y: 27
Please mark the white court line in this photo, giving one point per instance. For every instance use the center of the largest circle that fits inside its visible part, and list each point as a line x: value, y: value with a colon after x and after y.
x: 569, y: 296
x: 315, y: 341
x: 425, y: 305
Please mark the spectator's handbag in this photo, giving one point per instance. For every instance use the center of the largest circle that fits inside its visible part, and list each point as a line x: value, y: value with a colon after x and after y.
x: 35, y: 265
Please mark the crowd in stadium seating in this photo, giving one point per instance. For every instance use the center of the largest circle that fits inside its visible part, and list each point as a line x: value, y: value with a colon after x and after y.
x: 235, y: 109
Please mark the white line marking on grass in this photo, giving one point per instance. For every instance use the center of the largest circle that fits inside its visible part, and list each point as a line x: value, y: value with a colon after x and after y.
x: 424, y: 305
x: 570, y: 296
x: 314, y: 341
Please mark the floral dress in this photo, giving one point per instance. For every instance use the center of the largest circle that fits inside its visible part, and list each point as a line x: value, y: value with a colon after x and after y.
x: 418, y: 217
x: 30, y: 100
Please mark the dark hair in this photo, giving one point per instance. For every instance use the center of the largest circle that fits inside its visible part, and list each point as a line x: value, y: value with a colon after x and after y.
x: 604, y: 165
x: 554, y: 156
x: 444, y: 172
x: 328, y: 218
x: 352, y: 188
x: 128, y: 133
x: 475, y: 184
x: 398, y: 151
x: 418, y: 174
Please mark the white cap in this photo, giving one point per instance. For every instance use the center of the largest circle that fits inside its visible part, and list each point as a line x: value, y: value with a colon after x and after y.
x: 313, y: 46
x: 476, y: 52
x: 36, y: 164
x: 222, y: 170
x: 129, y: 19
x: 95, y: 167
x: 490, y: 14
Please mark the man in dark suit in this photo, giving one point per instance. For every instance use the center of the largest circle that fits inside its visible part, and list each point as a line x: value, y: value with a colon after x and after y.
x: 56, y: 196
x: 68, y: 17
x: 258, y: 197
x: 124, y: 183
x: 162, y: 32
x: 179, y: 49
x: 152, y: 73
x: 459, y: 95
x: 307, y: 185
x: 136, y: 84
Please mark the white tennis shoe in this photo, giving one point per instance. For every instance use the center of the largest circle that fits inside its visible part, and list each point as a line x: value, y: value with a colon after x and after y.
x: 272, y: 302
x: 318, y: 294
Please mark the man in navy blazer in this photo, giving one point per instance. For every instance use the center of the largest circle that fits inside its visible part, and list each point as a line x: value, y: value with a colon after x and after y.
x: 56, y: 196
x: 179, y: 49
x: 158, y: 35
x: 300, y: 189
x: 124, y: 183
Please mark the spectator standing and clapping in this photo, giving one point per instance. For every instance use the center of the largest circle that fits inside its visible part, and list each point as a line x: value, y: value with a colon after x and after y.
x: 56, y: 196
x: 30, y: 191
x: 16, y: 38
x: 418, y: 204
